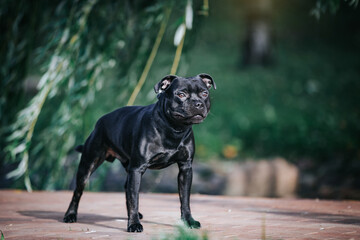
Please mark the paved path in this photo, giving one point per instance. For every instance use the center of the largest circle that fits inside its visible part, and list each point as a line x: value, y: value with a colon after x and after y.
x: 38, y: 215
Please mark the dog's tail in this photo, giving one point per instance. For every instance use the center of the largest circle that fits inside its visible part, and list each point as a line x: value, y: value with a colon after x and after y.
x: 80, y: 148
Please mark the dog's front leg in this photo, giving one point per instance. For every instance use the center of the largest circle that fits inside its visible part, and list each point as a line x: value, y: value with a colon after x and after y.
x: 184, y: 185
x: 132, y: 201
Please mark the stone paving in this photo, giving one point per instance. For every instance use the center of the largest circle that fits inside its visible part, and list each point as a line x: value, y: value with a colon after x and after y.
x: 38, y: 215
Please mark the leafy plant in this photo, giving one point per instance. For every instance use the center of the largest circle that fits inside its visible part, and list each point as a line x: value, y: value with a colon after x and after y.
x: 86, y: 46
x: 184, y: 233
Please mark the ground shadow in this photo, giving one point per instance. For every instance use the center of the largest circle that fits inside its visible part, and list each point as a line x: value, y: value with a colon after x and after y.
x: 85, y: 218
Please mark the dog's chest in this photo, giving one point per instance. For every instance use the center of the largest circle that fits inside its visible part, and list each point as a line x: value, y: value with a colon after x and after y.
x: 165, y: 158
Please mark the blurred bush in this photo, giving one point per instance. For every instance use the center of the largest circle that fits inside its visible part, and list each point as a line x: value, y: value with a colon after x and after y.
x: 303, y: 107
x: 85, y: 58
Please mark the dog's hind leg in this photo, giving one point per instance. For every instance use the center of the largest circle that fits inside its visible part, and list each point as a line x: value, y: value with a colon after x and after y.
x: 90, y: 161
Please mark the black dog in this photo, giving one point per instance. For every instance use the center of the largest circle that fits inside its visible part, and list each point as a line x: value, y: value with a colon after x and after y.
x: 154, y: 137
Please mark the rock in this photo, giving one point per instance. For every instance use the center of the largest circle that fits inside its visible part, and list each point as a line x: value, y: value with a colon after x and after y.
x: 261, y: 178
x: 256, y: 178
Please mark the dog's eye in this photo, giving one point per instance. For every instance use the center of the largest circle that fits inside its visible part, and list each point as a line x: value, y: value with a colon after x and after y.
x: 204, y: 94
x: 181, y: 95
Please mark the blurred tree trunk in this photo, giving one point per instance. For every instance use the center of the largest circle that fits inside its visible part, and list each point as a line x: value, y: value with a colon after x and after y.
x: 257, y: 47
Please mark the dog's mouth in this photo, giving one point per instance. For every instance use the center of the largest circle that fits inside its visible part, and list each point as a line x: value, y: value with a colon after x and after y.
x: 197, y: 118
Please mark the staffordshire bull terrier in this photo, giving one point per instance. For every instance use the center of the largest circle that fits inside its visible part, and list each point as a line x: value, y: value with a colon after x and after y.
x: 153, y: 137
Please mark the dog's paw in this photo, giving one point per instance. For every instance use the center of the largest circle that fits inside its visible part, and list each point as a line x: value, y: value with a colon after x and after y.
x: 135, y: 227
x: 192, y: 223
x: 141, y: 216
x: 70, y: 218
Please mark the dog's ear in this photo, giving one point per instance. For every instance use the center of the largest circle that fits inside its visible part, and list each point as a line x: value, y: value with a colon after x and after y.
x: 164, y: 83
x: 207, y: 79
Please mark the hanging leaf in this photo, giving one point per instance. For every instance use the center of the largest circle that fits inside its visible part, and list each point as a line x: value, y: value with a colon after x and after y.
x: 179, y: 34
x: 189, y: 15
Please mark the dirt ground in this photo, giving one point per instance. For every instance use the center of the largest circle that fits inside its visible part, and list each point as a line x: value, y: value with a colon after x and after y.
x: 38, y: 215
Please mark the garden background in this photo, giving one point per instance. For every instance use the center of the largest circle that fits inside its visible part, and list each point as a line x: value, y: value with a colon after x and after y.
x: 287, y: 76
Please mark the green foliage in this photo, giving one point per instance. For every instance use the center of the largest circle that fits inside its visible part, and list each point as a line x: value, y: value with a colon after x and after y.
x: 184, y: 233
x: 304, y: 106
x: 332, y: 6
x: 90, y: 55
x: 85, y: 47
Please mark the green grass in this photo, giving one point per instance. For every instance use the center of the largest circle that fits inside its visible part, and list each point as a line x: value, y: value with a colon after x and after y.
x: 184, y: 233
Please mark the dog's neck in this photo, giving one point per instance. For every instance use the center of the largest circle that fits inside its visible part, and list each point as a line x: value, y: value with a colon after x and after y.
x: 166, y: 122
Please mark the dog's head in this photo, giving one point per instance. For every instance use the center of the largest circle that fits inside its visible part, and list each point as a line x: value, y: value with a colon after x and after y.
x: 187, y: 100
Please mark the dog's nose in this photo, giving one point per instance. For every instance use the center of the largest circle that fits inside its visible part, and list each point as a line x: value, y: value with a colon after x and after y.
x: 199, y: 105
